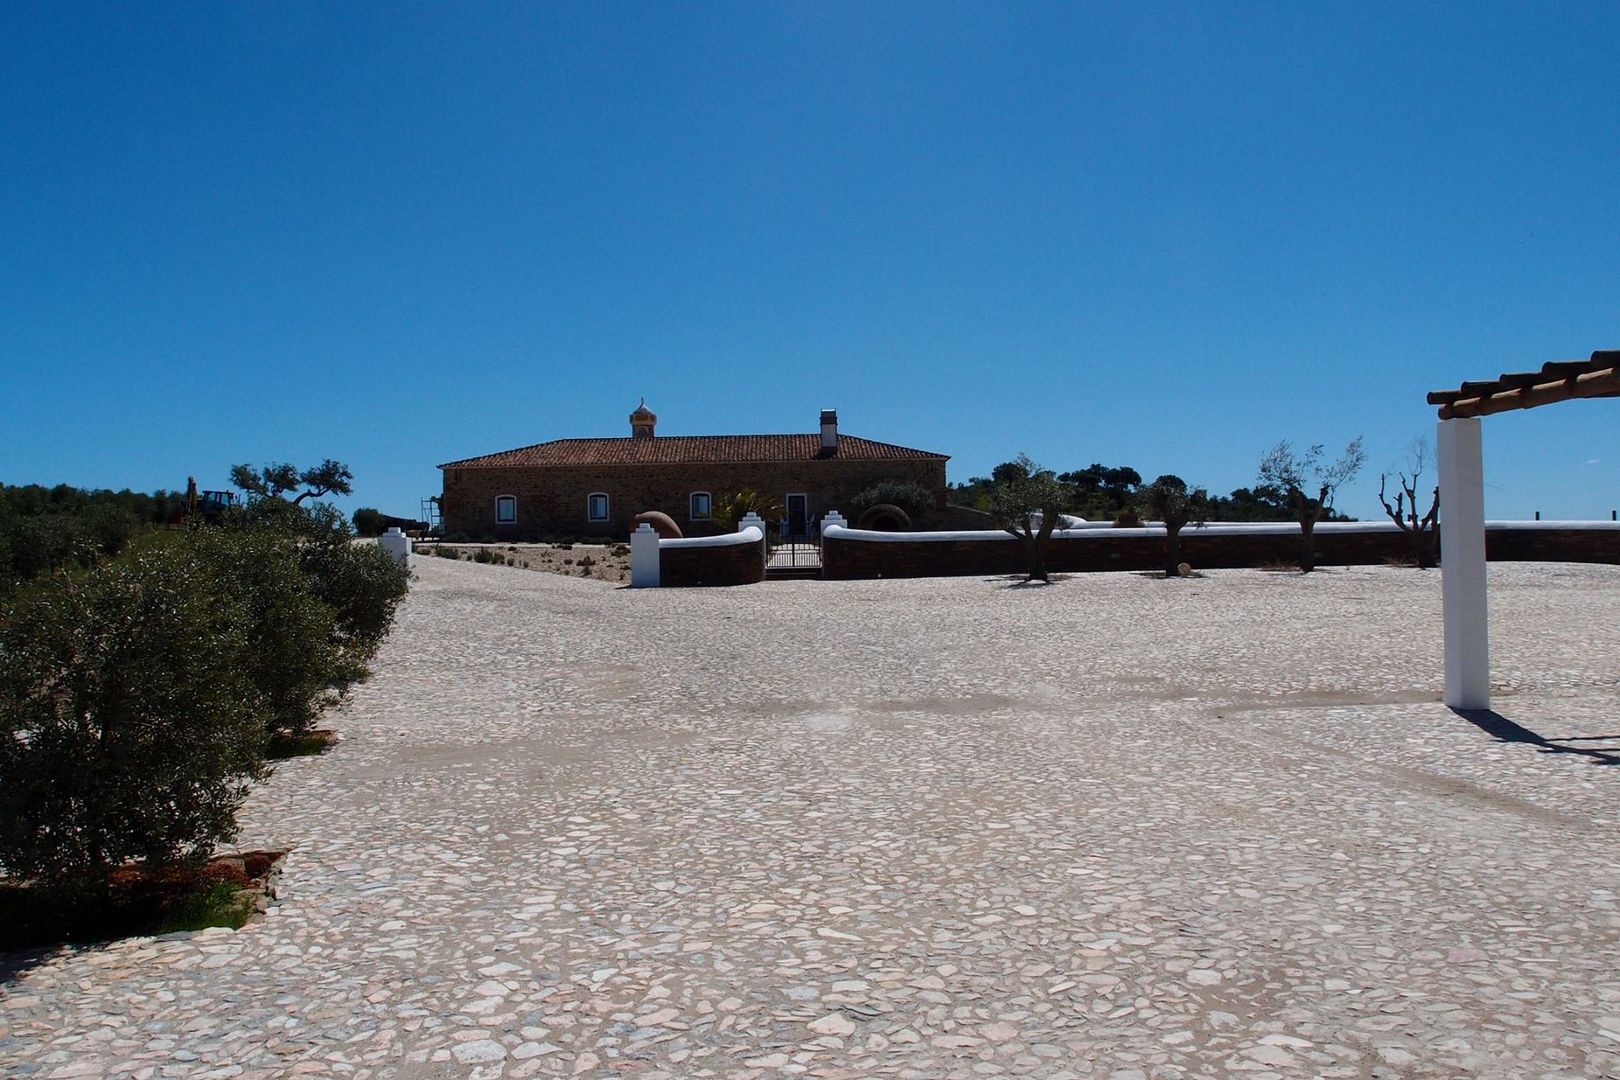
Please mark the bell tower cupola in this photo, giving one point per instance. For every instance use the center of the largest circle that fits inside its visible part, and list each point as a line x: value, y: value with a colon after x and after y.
x: 642, y: 421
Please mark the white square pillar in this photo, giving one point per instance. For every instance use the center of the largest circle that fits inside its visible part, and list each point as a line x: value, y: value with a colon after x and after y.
x: 646, y: 570
x: 1462, y: 563
x: 397, y: 545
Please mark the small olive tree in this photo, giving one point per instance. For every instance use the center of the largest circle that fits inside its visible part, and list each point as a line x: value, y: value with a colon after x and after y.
x: 1169, y: 500
x: 1308, y: 483
x: 1027, y: 502
x: 1420, y: 530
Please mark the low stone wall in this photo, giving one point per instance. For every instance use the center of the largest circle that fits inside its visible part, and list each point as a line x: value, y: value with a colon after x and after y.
x: 732, y: 559
x: 851, y: 553
x: 1553, y: 541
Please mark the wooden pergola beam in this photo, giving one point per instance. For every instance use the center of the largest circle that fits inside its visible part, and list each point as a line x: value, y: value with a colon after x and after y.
x: 1604, y: 382
x: 1558, y: 380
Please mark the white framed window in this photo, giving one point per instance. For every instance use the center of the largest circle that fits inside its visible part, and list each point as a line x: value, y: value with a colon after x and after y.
x: 596, y: 506
x: 505, y: 509
x: 700, y: 505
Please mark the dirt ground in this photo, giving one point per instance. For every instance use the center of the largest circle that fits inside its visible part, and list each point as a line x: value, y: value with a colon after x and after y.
x: 604, y: 562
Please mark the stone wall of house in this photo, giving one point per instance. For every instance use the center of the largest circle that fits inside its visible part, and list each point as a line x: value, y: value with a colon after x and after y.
x: 552, y: 501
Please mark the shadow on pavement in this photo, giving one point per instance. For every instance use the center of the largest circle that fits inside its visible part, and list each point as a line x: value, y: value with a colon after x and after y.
x: 13, y: 965
x: 1500, y: 727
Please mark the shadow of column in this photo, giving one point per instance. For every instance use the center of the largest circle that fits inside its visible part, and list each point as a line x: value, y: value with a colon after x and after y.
x: 1501, y: 728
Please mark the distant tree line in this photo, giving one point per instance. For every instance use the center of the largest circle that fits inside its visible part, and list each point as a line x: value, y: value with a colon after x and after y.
x: 1118, y: 493
x: 44, y: 528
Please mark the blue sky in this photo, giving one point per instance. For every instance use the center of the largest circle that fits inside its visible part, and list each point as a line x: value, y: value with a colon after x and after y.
x: 1161, y: 235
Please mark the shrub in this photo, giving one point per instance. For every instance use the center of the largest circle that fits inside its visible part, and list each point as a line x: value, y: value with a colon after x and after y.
x: 484, y: 555
x: 130, y: 725
x: 368, y: 522
x: 359, y: 582
x: 364, y: 586
x: 294, y: 651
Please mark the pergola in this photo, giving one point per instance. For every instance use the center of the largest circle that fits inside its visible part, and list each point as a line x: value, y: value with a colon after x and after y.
x: 1462, y: 501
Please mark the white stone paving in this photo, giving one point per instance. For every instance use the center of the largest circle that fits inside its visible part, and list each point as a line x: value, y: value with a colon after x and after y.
x: 1115, y: 827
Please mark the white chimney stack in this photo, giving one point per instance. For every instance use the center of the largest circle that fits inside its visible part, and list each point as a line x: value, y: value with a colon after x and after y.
x: 829, y: 429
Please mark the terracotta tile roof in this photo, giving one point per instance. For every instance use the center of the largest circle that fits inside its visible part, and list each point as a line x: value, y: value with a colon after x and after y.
x: 694, y: 450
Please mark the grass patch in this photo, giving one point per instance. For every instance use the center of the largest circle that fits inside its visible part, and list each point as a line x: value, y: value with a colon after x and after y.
x: 219, y: 904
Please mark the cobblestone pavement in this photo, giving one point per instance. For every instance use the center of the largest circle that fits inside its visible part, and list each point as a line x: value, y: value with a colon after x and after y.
x: 1116, y: 826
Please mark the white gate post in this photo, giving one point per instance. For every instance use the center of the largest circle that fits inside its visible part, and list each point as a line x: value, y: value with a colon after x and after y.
x: 645, y: 568
x: 397, y: 545
x: 753, y: 520
x: 1462, y: 563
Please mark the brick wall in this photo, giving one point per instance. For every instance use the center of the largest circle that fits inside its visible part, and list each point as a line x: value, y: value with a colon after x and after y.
x: 731, y: 564
x: 1133, y: 549
x: 552, y: 501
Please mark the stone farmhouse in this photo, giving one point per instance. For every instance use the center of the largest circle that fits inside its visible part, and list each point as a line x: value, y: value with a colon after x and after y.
x: 570, y: 487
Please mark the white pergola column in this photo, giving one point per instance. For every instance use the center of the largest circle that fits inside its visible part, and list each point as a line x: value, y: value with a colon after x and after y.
x: 1462, y: 563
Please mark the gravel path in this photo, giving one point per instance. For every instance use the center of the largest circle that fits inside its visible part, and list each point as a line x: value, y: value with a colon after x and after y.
x: 1116, y: 826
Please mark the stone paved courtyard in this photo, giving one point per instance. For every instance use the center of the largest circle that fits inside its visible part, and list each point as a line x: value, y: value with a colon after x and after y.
x: 1113, y: 827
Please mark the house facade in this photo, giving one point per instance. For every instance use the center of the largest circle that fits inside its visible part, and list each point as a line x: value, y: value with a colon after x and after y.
x: 583, y: 487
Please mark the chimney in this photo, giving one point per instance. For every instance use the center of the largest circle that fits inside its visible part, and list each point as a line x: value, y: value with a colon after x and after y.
x: 829, y: 429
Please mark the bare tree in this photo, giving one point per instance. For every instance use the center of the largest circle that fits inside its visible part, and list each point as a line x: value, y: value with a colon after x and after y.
x: 1027, y: 502
x: 1169, y: 500
x: 1298, y: 476
x: 1421, y: 531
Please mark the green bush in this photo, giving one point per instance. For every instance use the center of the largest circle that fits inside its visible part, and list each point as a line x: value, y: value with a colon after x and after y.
x: 130, y: 725
x: 137, y: 694
x: 368, y: 522
x: 294, y: 651
x: 361, y: 584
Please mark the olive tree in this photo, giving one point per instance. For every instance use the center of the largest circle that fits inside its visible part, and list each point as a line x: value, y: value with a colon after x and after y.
x: 1170, y: 500
x: 1027, y: 502
x: 277, y: 479
x: 1309, y: 483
